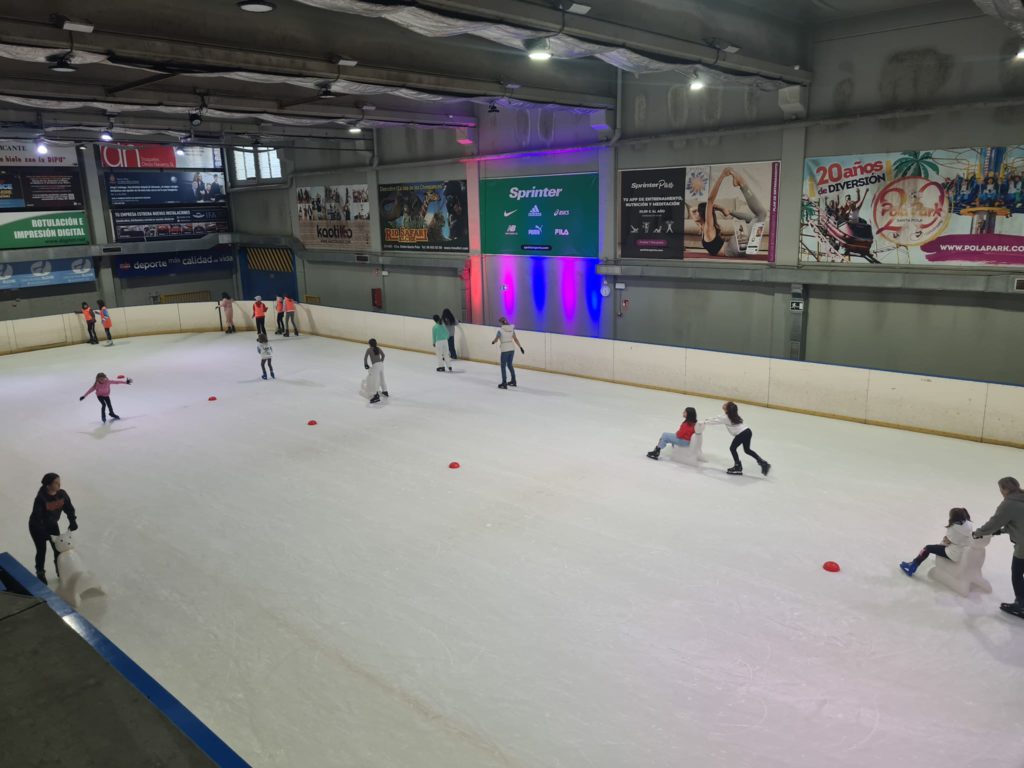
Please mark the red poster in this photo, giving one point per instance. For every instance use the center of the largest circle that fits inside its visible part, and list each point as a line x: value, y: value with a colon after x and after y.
x: 138, y: 156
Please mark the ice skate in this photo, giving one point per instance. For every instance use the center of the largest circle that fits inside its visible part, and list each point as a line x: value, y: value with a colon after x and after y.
x: 654, y: 454
x: 115, y: 417
x: 908, y: 568
x: 512, y: 384
x: 1014, y: 609
x: 272, y: 375
x: 385, y: 393
x: 736, y: 470
x: 41, y: 575
x: 375, y: 399
x: 286, y: 334
x: 440, y: 370
x: 503, y: 386
x: 764, y: 468
x: 264, y: 377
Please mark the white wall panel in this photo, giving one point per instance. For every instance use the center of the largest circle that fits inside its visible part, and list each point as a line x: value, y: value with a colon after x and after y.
x: 734, y: 377
x: 1004, y: 414
x: 649, y: 364
x: 820, y: 388
x: 926, y: 402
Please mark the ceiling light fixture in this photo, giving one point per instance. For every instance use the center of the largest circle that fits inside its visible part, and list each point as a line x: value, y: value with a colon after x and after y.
x: 106, y: 136
x: 326, y: 92
x: 195, y: 118
x: 345, y: 61
x: 179, y: 151
x: 41, y: 148
x: 256, y: 6
x: 1020, y: 54
x: 539, y: 50
x: 355, y: 129
x: 72, y: 25
x: 579, y: 9
x: 63, y: 63
x: 697, y: 85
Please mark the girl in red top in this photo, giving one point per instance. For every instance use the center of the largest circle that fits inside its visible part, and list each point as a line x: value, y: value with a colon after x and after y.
x: 102, y: 389
x: 259, y: 311
x: 90, y: 322
x: 681, y: 437
x: 289, y: 314
x: 105, y: 318
x: 279, y: 308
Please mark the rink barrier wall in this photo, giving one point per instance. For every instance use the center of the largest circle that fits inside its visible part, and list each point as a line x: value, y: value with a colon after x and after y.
x: 177, y: 713
x: 970, y: 410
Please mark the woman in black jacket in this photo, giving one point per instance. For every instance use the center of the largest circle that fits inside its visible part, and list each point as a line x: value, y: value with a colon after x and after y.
x: 50, y: 501
x: 448, y: 319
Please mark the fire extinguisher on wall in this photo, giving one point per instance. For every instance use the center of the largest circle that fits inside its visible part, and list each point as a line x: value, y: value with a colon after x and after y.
x: 377, y: 298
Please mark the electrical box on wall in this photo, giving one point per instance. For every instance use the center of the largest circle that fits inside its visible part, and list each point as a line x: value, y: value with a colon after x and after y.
x: 1018, y: 284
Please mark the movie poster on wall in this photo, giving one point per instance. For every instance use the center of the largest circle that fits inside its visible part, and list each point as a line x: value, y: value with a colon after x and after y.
x: 334, y: 216
x: 949, y: 207
x: 700, y: 212
x: 424, y: 216
x: 540, y: 215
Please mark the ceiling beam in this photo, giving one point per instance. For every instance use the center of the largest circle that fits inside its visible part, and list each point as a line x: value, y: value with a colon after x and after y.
x: 116, y: 89
x: 549, y: 21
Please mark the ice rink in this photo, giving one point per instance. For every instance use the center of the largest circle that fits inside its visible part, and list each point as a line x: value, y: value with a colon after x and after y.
x: 337, y: 596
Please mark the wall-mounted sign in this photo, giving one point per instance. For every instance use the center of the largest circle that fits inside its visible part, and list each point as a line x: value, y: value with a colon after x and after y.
x: 158, y: 156
x: 42, y: 230
x: 169, y: 223
x: 541, y: 215
x: 335, y: 216
x: 44, y: 189
x: 173, y: 263
x: 700, y: 212
x: 424, y: 216
x: 142, y: 189
x: 951, y: 207
x: 32, y: 274
x: 22, y: 154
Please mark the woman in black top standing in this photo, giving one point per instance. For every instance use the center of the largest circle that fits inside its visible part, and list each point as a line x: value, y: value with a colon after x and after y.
x: 449, y: 322
x: 50, y: 501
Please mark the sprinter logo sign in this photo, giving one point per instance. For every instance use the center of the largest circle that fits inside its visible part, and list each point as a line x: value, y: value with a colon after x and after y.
x: 569, y: 201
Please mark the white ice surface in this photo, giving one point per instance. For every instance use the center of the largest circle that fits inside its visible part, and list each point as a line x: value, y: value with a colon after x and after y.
x: 336, y: 596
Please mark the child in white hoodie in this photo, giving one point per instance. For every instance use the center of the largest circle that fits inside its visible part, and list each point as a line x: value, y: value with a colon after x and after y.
x: 956, y: 540
x: 266, y: 355
x: 741, y: 436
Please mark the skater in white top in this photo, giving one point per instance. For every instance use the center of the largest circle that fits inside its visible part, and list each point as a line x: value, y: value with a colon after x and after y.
x: 741, y: 435
x: 266, y: 353
x: 956, y: 540
x: 373, y: 361
x: 509, y: 341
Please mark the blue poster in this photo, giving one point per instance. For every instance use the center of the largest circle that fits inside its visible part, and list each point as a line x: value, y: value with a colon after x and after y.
x: 173, y: 263
x: 31, y: 274
x: 145, y: 189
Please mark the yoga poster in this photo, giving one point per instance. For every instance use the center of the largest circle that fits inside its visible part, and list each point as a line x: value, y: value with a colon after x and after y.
x: 950, y: 207
x: 725, y: 212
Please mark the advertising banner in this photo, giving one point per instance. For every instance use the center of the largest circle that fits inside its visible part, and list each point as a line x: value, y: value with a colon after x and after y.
x: 44, y: 189
x: 543, y: 215
x: 173, y: 264
x: 334, y: 216
x: 950, y: 207
x: 700, y: 212
x: 23, y: 154
x: 42, y: 230
x: 160, y: 156
x: 424, y: 216
x: 141, y: 189
x: 32, y: 274
x: 169, y: 223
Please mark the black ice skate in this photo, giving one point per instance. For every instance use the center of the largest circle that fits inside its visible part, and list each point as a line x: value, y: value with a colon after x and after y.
x: 654, y: 454
x: 440, y: 370
x: 737, y: 470
x: 1014, y: 609
x: 385, y: 393
x: 503, y: 386
x: 512, y: 384
x: 375, y: 399
x: 115, y: 417
x: 41, y: 575
x: 764, y: 468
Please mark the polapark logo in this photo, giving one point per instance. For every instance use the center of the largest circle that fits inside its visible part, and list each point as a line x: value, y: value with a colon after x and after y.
x: 535, y: 211
x: 536, y: 230
x: 511, y: 229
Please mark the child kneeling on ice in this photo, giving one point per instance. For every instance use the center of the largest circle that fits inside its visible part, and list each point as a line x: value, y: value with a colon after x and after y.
x: 956, y: 540
x: 681, y: 437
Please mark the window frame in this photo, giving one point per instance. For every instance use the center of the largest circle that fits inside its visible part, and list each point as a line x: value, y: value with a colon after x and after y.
x: 257, y: 178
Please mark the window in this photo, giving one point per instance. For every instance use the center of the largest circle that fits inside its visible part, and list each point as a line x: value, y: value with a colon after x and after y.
x: 254, y: 165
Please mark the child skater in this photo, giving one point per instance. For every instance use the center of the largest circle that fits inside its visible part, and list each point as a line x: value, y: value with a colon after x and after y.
x: 105, y: 318
x: 90, y: 322
x: 102, y: 389
x: 440, y: 337
x: 957, y: 538
x: 279, y: 308
x: 741, y: 435
x: 228, y: 308
x: 266, y: 352
x: 373, y: 361
x: 259, y: 313
x: 680, y: 437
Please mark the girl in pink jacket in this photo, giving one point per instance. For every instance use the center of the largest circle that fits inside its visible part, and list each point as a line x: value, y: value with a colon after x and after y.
x: 102, y: 389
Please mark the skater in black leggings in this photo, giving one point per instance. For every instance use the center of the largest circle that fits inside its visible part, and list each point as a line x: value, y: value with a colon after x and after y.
x: 741, y: 437
x: 50, y: 501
